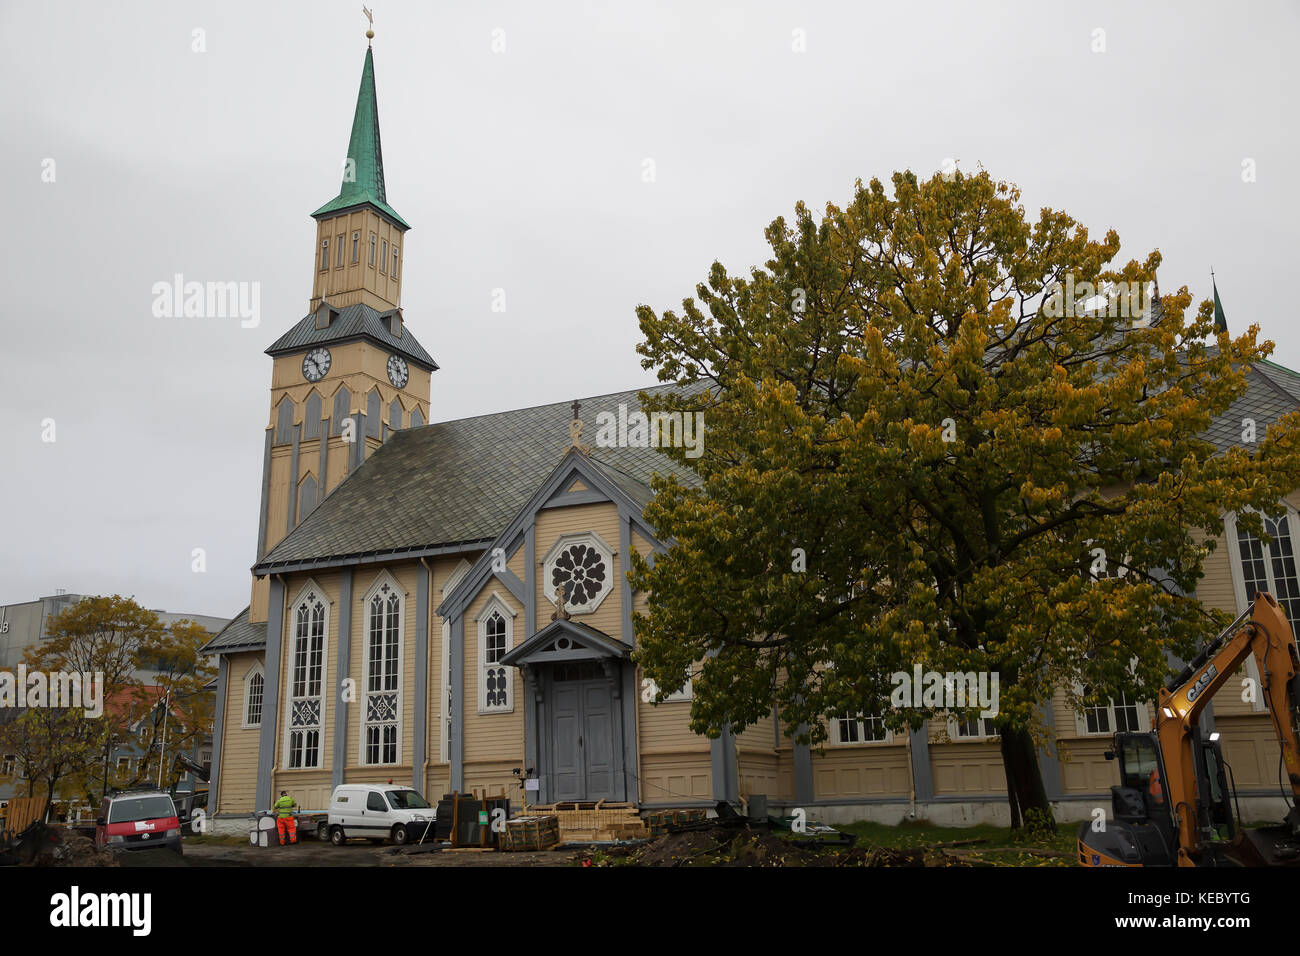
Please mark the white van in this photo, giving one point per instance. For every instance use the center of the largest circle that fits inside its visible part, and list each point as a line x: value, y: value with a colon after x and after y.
x: 379, y: 812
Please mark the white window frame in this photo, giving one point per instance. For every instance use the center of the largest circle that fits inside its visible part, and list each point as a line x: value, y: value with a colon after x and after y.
x: 862, y: 741
x: 954, y: 730
x: 384, y: 577
x: 255, y: 671
x: 1239, y: 580
x: 8, y: 765
x: 494, y: 604
x: 562, y: 544
x: 291, y: 626
x: 1081, y: 716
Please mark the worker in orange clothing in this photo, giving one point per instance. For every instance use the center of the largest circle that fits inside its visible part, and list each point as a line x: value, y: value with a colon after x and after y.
x: 1156, y: 788
x: 284, y: 821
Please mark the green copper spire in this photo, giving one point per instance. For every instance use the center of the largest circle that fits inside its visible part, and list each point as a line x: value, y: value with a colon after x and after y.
x: 1220, y: 320
x: 363, y: 178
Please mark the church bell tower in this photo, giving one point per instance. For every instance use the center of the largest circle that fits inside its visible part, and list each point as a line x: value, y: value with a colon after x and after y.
x: 350, y: 373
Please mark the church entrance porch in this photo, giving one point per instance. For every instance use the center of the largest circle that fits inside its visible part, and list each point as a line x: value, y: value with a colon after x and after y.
x: 579, y: 722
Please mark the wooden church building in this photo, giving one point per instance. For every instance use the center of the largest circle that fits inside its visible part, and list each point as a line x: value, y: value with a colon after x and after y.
x: 403, y: 622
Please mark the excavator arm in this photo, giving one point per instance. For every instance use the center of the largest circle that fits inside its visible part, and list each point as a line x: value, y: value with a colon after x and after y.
x: 1264, y: 632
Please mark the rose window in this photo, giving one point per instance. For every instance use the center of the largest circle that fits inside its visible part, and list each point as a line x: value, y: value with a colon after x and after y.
x: 581, y: 568
x: 581, y: 571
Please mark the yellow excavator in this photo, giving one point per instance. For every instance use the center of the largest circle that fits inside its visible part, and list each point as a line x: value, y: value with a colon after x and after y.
x: 1174, y: 805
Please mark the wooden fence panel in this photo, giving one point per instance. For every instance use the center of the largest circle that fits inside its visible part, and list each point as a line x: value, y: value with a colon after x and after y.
x: 22, y: 812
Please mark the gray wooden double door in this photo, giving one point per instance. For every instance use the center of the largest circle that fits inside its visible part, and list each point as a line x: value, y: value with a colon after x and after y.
x: 581, y: 732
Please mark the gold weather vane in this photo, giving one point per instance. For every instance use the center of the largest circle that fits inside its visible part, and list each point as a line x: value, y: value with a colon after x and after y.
x: 370, y: 18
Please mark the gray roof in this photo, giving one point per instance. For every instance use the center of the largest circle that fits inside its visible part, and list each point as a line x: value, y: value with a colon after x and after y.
x: 353, y: 322
x: 1271, y: 392
x: 459, y: 483
x: 239, y: 634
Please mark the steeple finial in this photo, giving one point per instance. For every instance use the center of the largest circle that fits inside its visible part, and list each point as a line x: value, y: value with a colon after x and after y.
x: 370, y: 31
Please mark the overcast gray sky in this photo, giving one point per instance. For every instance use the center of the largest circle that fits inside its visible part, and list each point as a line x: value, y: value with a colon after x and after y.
x: 522, y: 170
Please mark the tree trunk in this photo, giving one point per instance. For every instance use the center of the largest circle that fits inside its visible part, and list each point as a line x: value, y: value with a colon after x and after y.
x: 1026, y: 795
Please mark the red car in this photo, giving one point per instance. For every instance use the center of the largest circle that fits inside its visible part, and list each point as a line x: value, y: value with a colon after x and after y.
x: 138, y: 820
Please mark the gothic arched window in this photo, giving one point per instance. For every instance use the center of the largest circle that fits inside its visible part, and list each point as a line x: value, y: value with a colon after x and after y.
x: 383, y: 696
x: 342, y: 408
x: 495, y: 638
x: 306, y: 716
x: 311, y: 416
x: 284, y: 422
x: 373, y: 406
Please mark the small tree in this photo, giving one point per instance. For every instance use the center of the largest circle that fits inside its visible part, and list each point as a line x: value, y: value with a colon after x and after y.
x: 117, y: 639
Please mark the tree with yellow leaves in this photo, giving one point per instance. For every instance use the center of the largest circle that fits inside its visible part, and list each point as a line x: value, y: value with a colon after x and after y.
x: 935, y: 430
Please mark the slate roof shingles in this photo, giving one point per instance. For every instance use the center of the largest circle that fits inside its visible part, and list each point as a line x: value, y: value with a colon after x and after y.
x: 460, y: 482
x: 463, y: 481
x: 353, y: 322
x: 239, y: 633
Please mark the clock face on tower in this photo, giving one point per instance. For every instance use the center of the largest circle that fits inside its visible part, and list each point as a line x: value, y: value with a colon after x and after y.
x: 397, y: 371
x: 315, y: 364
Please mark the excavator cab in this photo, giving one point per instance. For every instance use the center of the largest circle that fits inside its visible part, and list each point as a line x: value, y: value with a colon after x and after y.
x: 1140, y: 831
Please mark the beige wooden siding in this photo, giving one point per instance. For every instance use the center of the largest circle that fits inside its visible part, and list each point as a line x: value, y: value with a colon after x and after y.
x: 964, y: 766
x: 311, y: 788
x: 675, y: 762
x: 1250, y: 747
x: 491, y: 740
x: 1216, y: 590
x: 237, y: 773
x: 760, y: 736
x: 1084, y: 768
x: 437, y: 781
x: 862, y: 770
x: 277, y: 502
x: 667, y: 778
x: 757, y: 762
x: 518, y: 564
x: 601, y: 518
x: 758, y: 772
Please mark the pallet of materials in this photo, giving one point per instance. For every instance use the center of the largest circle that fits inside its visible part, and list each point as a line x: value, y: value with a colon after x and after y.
x: 531, y: 833
x: 598, y: 822
x: 661, y: 821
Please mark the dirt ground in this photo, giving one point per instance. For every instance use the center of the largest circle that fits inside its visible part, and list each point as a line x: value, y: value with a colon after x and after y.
x: 743, y: 847
x: 710, y: 845
x: 314, y: 854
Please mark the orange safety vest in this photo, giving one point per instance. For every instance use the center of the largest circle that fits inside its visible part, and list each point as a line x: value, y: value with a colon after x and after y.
x: 1155, y: 789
